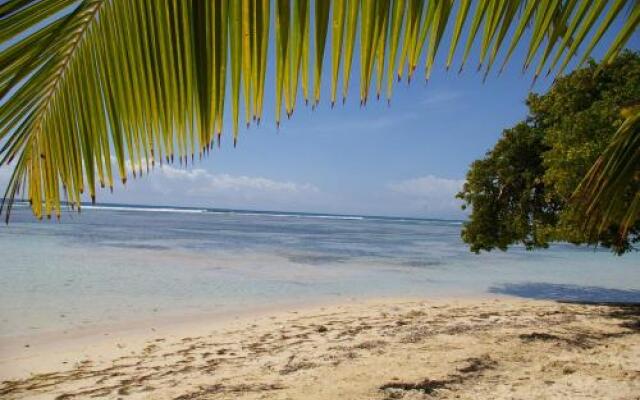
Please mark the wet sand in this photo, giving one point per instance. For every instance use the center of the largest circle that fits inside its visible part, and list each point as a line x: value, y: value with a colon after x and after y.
x: 385, y: 349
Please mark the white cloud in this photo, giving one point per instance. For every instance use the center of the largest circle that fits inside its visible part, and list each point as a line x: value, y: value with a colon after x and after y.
x: 429, y: 195
x: 213, y: 183
x: 427, y: 186
x: 198, y: 187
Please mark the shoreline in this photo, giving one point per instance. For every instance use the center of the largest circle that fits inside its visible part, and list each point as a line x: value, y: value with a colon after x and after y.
x: 77, y: 343
x: 10, y: 345
x: 367, y: 344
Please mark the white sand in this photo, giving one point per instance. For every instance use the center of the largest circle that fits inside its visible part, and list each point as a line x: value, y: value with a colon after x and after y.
x: 401, y: 349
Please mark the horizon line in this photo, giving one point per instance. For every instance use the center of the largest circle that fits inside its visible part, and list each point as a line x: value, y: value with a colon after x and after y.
x: 248, y: 210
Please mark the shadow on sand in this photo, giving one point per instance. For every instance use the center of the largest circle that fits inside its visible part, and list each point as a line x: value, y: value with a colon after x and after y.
x: 569, y: 293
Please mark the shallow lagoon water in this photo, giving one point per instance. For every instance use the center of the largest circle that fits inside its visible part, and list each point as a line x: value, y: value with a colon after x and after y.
x: 119, y: 264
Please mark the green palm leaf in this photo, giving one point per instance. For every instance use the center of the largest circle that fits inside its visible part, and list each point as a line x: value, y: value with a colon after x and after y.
x: 603, y: 195
x: 95, y: 88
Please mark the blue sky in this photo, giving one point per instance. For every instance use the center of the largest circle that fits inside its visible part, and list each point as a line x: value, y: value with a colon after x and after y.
x: 408, y: 158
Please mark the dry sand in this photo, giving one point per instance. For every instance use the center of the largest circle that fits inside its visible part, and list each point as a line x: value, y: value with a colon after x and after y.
x: 401, y: 349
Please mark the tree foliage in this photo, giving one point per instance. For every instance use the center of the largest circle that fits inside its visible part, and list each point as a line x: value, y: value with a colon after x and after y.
x: 523, y: 190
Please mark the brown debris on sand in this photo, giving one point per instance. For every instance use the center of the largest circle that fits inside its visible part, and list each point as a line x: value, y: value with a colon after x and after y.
x: 474, y: 368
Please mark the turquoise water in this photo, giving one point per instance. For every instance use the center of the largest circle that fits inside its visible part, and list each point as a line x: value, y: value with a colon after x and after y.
x: 113, y: 265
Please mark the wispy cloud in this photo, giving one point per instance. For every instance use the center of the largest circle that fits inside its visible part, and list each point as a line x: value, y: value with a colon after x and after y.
x: 382, y: 122
x: 171, y: 185
x: 385, y: 120
x: 425, y: 196
x: 439, y: 98
x: 206, y: 183
x: 431, y: 195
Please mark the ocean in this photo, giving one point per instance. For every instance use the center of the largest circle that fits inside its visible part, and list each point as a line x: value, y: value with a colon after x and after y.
x: 117, y: 264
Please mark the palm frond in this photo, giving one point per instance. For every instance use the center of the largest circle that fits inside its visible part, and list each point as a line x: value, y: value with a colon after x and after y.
x: 88, y: 87
x: 604, y: 196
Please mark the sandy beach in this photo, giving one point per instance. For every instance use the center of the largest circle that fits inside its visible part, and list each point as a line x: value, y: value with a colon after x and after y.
x: 402, y: 349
